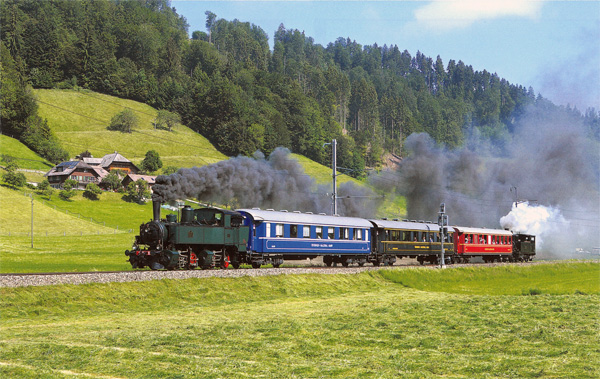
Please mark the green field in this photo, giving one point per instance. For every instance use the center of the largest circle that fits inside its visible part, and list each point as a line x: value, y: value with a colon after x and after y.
x: 22, y: 155
x: 309, y: 326
x: 79, y: 119
x: 78, y: 235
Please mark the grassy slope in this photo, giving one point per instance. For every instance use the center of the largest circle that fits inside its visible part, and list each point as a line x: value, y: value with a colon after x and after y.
x: 24, y: 157
x: 335, y: 326
x: 16, y: 217
x: 87, y: 246
x: 322, y: 174
x: 80, y: 118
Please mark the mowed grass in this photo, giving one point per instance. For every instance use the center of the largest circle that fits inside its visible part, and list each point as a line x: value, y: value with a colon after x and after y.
x: 565, y: 278
x: 299, y: 326
x: 22, y: 155
x: 65, y: 254
x: 79, y: 119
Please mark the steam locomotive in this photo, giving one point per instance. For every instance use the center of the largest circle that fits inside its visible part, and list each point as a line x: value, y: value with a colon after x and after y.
x: 213, y: 237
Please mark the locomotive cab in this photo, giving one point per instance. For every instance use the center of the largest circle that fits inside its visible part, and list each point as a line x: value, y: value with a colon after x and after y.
x: 523, y: 247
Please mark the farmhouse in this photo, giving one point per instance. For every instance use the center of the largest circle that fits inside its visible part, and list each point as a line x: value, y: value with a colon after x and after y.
x: 116, y: 161
x: 91, y: 170
x: 80, y: 171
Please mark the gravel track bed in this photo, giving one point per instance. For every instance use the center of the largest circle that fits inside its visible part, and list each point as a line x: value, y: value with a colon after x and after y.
x: 25, y: 280
x: 138, y: 276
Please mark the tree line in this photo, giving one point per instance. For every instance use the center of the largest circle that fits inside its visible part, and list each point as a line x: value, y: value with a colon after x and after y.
x: 226, y: 82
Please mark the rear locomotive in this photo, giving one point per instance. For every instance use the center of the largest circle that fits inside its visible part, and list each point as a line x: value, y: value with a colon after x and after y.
x: 523, y: 247
x: 205, y: 238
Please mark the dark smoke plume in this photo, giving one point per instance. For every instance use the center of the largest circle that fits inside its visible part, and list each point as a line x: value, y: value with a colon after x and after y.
x: 278, y: 182
x: 549, y: 161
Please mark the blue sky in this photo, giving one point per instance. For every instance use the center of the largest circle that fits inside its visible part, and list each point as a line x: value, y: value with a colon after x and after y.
x: 553, y: 46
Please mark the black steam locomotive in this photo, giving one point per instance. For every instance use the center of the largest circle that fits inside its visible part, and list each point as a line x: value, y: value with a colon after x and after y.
x: 205, y: 238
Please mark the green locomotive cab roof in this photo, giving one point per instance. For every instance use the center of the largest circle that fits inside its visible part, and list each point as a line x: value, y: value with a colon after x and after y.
x: 216, y: 216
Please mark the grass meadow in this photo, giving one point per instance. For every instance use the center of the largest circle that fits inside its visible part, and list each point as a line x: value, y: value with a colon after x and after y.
x: 76, y: 235
x: 22, y: 155
x: 80, y: 118
x: 413, y: 323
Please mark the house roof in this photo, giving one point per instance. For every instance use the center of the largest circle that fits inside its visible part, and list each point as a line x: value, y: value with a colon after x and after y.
x: 108, y: 159
x: 93, y: 161
x: 66, y: 168
x: 150, y: 179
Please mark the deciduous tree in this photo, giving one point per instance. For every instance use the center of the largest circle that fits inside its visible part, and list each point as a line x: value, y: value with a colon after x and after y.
x: 124, y: 121
x: 151, y: 162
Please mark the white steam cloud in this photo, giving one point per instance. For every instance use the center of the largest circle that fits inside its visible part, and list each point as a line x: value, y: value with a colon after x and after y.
x: 538, y: 220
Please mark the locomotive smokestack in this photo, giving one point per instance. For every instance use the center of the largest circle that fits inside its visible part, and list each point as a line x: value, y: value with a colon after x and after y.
x: 156, y: 210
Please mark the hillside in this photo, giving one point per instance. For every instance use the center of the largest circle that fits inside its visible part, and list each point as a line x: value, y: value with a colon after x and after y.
x: 15, y: 218
x: 22, y: 155
x: 79, y: 119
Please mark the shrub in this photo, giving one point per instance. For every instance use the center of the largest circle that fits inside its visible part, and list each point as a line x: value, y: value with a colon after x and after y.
x: 12, y: 177
x: 68, y: 189
x: 112, y: 181
x: 92, y: 191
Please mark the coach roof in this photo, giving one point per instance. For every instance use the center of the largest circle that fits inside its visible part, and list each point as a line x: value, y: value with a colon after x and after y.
x: 305, y: 218
x: 386, y: 224
x: 461, y: 229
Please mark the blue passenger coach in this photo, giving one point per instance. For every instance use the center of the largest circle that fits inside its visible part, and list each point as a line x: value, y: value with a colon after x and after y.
x: 279, y: 235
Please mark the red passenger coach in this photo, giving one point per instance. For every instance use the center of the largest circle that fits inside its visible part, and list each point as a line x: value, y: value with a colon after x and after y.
x: 489, y: 244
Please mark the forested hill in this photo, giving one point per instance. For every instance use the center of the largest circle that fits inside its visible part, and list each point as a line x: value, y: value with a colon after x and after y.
x: 228, y: 85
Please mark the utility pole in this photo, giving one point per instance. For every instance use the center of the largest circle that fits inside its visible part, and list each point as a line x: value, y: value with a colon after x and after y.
x: 31, y: 195
x: 516, y: 196
x: 443, y: 224
x: 334, y: 165
x: 334, y: 145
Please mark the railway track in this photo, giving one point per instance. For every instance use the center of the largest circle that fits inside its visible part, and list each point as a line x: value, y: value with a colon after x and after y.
x: 76, y: 278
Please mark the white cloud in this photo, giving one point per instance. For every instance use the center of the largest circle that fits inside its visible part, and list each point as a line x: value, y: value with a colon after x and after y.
x: 450, y: 14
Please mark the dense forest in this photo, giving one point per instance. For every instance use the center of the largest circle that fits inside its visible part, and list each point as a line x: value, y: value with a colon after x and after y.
x: 226, y: 82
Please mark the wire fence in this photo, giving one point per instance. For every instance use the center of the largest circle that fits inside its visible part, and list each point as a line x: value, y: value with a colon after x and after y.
x: 110, y: 229
x: 64, y: 233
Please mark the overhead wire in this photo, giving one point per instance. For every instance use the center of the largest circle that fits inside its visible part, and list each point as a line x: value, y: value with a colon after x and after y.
x: 395, y: 179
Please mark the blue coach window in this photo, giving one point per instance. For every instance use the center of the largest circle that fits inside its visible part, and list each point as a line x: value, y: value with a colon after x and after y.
x: 293, y: 231
x: 306, y: 231
x: 330, y: 232
x: 358, y: 234
x: 319, y: 232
